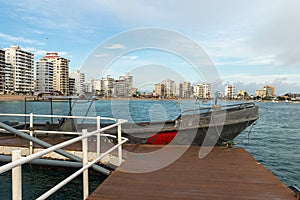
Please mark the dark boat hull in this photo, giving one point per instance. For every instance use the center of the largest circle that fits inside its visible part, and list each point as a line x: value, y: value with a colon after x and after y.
x: 210, y: 128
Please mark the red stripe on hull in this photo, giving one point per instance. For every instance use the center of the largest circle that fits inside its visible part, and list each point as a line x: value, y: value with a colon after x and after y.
x: 161, y: 138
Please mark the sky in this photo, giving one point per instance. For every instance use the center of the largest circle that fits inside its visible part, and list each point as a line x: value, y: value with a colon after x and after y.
x: 250, y: 43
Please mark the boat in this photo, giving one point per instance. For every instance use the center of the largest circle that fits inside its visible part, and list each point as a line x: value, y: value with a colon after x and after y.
x: 214, y: 125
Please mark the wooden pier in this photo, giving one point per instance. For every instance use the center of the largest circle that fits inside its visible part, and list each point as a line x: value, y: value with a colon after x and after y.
x: 225, y: 173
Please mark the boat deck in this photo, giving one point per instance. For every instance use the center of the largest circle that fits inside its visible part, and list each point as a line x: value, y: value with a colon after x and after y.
x: 223, y: 174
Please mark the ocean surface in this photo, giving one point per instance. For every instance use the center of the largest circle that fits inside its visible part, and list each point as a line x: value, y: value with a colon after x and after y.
x: 273, y: 141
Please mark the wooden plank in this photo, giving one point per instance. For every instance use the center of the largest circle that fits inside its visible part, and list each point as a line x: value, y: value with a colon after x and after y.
x: 222, y: 174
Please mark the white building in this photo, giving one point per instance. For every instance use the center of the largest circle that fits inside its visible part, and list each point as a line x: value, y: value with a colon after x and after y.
x: 178, y: 90
x: 187, y: 90
x: 9, y: 78
x: 169, y: 87
x: 229, y: 91
x: 198, y: 90
x: 79, y: 82
x: 2, y: 71
x: 44, y: 76
x: 60, y: 72
x: 108, y: 86
x: 207, y: 90
x: 120, y: 88
x: 6, y: 75
x: 72, y: 86
x: 22, y: 63
x: 98, y: 85
x: 159, y: 90
x: 203, y: 90
x: 128, y: 79
x: 89, y: 87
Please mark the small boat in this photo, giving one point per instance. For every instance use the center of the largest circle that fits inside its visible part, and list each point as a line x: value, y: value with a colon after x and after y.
x: 209, y: 126
x: 214, y: 125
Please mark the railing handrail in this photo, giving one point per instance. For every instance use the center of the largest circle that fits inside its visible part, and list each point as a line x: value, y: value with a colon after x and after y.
x: 56, y: 116
x: 24, y: 160
x: 209, y: 108
x: 17, y: 162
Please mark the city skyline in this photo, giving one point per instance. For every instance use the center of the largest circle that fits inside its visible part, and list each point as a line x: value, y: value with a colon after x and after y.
x: 52, y: 74
x: 247, y: 52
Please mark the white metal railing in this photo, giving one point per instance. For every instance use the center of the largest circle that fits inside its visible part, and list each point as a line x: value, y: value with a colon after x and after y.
x: 17, y: 160
x: 31, y: 131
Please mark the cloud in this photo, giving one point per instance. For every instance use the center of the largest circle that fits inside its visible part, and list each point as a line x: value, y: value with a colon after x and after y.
x: 39, y: 32
x: 36, y: 52
x: 251, y: 61
x: 130, y: 57
x: 235, y: 41
x: 283, y: 83
x: 115, y: 46
x: 103, y: 55
x: 19, y: 39
x: 63, y: 53
x: 280, y: 34
x: 90, y: 31
x: 42, y: 52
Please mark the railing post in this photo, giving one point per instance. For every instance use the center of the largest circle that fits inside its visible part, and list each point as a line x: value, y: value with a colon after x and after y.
x: 119, y: 142
x: 84, y: 163
x: 31, y: 133
x: 16, y: 177
x: 98, y: 137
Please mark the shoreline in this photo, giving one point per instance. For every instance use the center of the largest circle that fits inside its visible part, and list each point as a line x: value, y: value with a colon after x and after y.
x: 22, y: 98
x: 13, y: 97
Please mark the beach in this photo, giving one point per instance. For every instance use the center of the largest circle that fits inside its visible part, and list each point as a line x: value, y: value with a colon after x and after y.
x: 13, y: 97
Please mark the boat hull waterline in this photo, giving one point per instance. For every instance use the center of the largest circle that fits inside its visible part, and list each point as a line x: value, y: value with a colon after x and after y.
x: 215, y: 127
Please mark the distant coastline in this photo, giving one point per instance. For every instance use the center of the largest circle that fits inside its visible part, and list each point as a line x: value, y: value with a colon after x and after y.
x: 13, y: 97
x: 22, y: 98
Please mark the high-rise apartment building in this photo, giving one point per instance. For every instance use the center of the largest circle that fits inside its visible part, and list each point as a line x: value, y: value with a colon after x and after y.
x: 60, y: 72
x: 160, y: 89
x: 269, y: 91
x: 128, y: 79
x: 187, y: 90
x: 120, y: 89
x: 198, y: 91
x: 266, y: 92
x: 71, y: 86
x: 203, y: 90
x: 178, y: 90
x: 44, y: 76
x: 169, y: 87
x: 2, y: 71
x: 9, y: 79
x: 108, y: 86
x: 207, y: 90
x: 79, y: 82
x: 229, y: 91
x: 89, y: 87
x: 22, y: 68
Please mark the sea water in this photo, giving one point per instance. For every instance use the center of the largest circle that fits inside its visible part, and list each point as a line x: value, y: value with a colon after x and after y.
x: 273, y: 140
